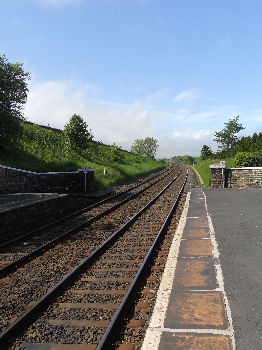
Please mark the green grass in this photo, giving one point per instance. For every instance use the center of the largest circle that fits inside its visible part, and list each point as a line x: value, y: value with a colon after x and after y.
x: 204, y: 170
x: 43, y: 150
x: 197, y: 160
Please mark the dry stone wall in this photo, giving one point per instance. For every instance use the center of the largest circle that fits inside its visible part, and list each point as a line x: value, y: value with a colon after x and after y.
x: 16, y: 180
x: 216, y: 177
x: 237, y: 177
x: 34, y: 215
x: 245, y: 177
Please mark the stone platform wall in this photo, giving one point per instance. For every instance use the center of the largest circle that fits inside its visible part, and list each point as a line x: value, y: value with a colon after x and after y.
x: 236, y: 177
x: 33, y: 215
x: 16, y: 180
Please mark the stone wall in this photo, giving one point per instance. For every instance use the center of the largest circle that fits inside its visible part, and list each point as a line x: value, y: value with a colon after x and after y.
x: 237, y: 177
x: 245, y: 177
x: 16, y: 180
x: 33, y: 215
x: 216, y: 177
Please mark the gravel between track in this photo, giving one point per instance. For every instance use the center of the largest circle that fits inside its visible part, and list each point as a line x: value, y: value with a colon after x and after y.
x: 31, y: 282
x: 42, y: 330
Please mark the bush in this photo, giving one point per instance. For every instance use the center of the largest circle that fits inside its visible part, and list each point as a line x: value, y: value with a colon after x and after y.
x: 206, y: 152
x: 13, y: 95
x: 248, y: 159
x: 77, y: 133
x: 115, y: 154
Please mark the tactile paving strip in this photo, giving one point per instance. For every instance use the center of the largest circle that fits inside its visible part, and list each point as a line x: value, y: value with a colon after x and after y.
x: 196, y: 315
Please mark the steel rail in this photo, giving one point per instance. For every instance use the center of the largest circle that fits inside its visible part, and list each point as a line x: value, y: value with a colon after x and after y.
x: 69, y: 216
x: 44, y: 301
x: 36, y: 252
x: 107, y: 339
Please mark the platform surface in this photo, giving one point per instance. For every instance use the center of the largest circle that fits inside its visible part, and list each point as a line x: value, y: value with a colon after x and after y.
x: 191, y: 311
x: 14, y: 200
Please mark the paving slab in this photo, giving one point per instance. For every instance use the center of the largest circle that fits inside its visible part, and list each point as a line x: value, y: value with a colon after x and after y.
x: 196, y: 274
x: 191, y: 310
x: 173, y: 341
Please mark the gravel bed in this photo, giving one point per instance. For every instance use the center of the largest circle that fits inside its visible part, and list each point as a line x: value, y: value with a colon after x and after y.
x: 69, y: 254
x: 31, y: 244
x: 46, y: 333
x: 106, y: 225
x: 111, y: 274
x: 77, y: 314
x: 89, y: 298
x: 129, y: 335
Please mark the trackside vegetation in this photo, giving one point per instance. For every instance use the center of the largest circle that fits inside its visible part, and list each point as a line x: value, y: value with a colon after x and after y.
x: 204, y: 170
x: 237, y: 152
x: 41, y: 149
x: 13, y: 95
x: 31, y: 147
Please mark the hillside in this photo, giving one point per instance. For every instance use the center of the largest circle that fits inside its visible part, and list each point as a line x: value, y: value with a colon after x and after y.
x: 43, y: 149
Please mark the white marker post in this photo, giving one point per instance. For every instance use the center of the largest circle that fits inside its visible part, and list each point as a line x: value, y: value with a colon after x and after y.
x: 85, y: 172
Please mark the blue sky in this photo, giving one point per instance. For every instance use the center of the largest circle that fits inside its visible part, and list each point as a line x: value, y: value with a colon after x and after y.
x: 176, y: 70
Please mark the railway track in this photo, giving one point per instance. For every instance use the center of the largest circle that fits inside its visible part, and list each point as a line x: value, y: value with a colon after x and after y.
x: 134, y: 248
x: 21, y: 250
x: 35, y: 278
x: 106, y: 275
x: 23, y: 236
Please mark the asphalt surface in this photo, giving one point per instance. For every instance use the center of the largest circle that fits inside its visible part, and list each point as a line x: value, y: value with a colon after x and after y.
x: 237, y: 219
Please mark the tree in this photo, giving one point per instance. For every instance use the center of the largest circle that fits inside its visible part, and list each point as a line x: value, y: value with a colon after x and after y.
x: 227, y: 138
x: 186, y: 159
x: 115, y: 154
x: 205, y: 152
x: 145, y: 147
x: 177, y: 159
x: 189, y: 160
x: 13, y: 95
x: 76, y: 130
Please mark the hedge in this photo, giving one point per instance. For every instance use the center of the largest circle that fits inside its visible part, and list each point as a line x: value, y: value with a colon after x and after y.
x: 248, y: 159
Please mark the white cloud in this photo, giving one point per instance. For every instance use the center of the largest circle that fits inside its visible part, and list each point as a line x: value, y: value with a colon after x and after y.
x: 53, y: 102
x: 202, y: 116
x: 184, y: 141
x: 188, y: 96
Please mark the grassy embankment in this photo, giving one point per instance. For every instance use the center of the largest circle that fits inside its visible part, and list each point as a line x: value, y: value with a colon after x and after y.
x: 44, y: 150
x: 204, y: 171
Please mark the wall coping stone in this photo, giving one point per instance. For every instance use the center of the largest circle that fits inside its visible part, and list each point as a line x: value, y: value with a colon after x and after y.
x: 247, y: 168
x: 50, y: 172
x: 244, y: 168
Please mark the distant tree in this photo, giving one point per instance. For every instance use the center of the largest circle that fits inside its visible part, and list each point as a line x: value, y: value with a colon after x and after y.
x: 163, y: 160
x: 13, y: 95
x: 138, y: 147
x: 145, y: 147
x: 205, y: 152
x: 177, y: 159
x: 188, y: 160
x: 76, y: 130
x: 227, y: 138
x: 115, y: 154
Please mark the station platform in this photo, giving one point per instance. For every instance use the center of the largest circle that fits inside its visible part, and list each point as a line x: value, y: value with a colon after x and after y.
x: 15, y: 200
x: 191, y: 310
x: 10, y: 201
x: 32, y: 210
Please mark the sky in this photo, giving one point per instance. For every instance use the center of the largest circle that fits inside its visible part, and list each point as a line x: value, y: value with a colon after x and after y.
x: 175, y: 70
